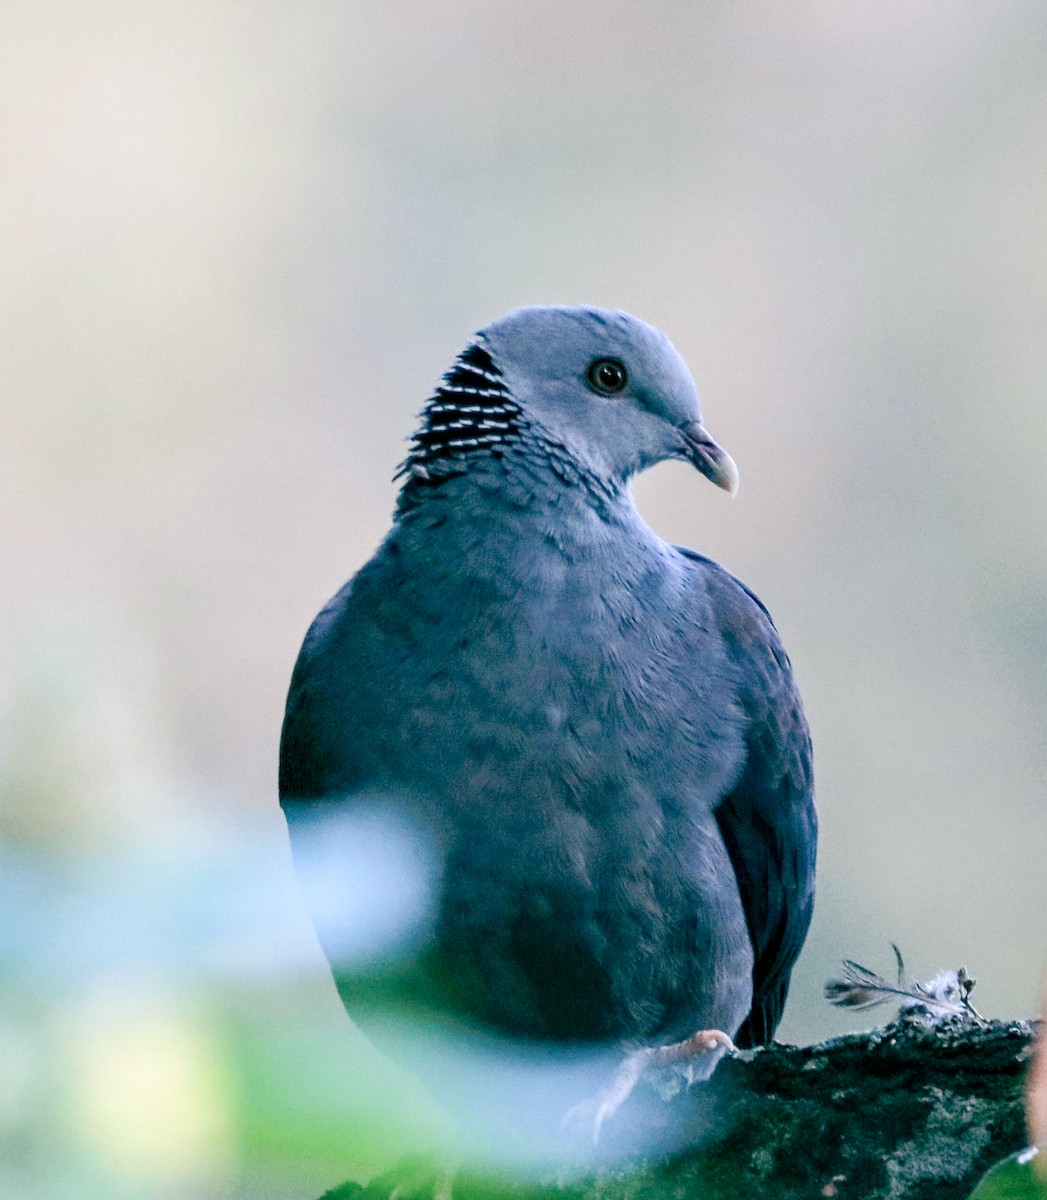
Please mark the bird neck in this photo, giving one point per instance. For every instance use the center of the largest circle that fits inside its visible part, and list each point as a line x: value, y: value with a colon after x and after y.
x: 471, y: 414
x: 473, y: 427
x: 486, y: 522
x: 534, y: 472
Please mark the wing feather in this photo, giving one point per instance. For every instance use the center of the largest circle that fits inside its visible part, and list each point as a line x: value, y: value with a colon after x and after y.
x: 768, y: 820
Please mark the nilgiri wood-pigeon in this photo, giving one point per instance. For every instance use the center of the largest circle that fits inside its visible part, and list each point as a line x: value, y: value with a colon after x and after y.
x: 597, y: 734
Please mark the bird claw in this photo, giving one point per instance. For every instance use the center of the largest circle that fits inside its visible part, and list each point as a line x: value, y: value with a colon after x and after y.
x: 580, y: 1118
x: 597, y: 1110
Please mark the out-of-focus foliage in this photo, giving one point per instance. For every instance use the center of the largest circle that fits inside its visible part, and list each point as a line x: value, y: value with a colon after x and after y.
x: 1023, y: 1176
x: 1036, y: 1087
x: 1016, y: 1178
x: 241, y: 242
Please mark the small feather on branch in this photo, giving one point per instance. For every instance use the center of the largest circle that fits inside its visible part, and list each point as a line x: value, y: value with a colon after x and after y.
x: 946, y: 995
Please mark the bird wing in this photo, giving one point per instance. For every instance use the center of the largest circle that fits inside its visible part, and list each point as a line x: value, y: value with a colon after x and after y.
x: 767, y: 820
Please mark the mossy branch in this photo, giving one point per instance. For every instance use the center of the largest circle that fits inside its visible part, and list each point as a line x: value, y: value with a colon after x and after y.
x: 905, y: 1112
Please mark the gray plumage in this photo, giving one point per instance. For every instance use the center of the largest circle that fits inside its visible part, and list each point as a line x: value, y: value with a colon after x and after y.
x: 600, y: 731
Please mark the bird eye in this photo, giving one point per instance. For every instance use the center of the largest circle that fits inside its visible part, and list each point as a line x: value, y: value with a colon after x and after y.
x: 607, y: 376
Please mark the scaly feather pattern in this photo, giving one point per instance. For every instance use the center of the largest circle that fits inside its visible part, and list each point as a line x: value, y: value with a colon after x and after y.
x: 471, y: 411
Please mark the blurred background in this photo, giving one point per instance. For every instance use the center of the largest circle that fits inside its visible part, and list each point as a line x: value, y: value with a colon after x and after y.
x: 241, y: 243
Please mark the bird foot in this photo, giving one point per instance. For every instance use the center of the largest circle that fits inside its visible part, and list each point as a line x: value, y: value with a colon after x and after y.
x: 599, y: 1109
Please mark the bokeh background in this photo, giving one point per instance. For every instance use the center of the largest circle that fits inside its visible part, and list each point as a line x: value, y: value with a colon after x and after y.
x: 240, y: 244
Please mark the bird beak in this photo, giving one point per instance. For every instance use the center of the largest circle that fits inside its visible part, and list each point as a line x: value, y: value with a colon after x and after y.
x: 712, y: 460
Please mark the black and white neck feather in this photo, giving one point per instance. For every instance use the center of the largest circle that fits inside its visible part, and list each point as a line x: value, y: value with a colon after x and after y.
x: 472, y: 413
x: 474, y: 424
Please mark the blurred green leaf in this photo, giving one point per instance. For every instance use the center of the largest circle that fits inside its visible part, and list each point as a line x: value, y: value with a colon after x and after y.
x: 1013, y: 1179
x: 313, y: 1099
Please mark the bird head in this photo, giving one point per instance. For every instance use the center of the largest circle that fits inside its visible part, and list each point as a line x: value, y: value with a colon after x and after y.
x: 597, y: 389
x: 611, y: 388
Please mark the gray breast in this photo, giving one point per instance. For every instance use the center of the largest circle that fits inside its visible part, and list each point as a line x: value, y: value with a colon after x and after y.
x: 561, y: 741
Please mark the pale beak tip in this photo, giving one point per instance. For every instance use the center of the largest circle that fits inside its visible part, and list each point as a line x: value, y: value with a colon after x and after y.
x: 710, y: 458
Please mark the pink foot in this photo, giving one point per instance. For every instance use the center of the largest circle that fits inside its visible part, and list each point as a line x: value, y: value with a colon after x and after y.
x: 636, y: 1065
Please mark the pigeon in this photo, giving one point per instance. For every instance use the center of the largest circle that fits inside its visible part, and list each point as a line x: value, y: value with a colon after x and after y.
x: 597, y: 733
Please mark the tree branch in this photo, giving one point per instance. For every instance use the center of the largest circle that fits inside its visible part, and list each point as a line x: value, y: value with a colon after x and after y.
x: 905, y: 1112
